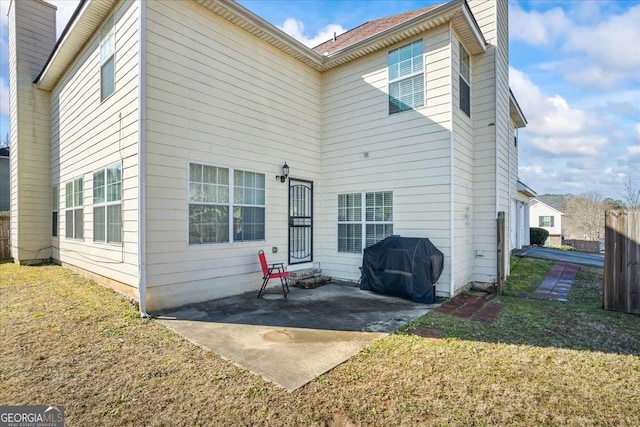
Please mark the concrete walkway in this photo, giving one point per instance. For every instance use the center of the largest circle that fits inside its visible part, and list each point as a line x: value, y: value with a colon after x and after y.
x: 580, y: 258
x: 557, y: 284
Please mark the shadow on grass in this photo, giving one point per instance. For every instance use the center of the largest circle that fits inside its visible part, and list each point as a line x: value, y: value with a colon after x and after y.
x: 580, y: 324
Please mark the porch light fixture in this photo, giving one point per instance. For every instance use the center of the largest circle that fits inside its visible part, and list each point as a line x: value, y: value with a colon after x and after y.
x: 285, y: 173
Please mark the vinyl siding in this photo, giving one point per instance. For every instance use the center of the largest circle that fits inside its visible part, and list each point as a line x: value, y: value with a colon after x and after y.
x: 30, y: 41
x: 217, y: 95
x: 88, y: 135
x: 491, y: 124
x: 365, y: 149
x: 463, y: 176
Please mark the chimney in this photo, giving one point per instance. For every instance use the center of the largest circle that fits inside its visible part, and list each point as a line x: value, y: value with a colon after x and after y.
x: 32, y: 35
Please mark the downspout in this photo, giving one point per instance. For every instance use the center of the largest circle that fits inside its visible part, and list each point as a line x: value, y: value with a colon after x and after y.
x: 497, y: 148
x: 451, y: 169
x: 142, y: 160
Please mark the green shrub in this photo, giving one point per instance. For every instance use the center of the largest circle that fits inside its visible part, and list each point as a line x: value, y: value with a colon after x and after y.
x: 538, y: 236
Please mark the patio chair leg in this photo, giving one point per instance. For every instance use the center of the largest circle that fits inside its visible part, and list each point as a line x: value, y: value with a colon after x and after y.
x: 284, y: 283
x: 264, y: 285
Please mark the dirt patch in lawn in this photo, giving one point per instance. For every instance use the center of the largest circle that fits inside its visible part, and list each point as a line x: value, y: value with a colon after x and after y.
x: 68, y: 341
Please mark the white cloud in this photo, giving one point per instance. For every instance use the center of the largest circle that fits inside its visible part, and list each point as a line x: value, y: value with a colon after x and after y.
x: 536, y: 28
x: 637, y: 127
x: 555, y: 127
x: 295, y: 29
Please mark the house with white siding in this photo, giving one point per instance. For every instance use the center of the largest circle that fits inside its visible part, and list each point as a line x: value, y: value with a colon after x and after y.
x: 148, y: 143
x: 549, y: 218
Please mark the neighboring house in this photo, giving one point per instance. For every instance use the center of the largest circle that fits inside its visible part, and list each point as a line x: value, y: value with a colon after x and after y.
x: 5, y: 180
x: 544, y: 216
x: 148, y: 138
x: 520, y: 215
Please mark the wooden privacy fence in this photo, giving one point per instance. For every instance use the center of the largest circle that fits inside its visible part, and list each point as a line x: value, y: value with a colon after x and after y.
x: 584, y: 245
x: 4, y: 234
x: 622, y: 261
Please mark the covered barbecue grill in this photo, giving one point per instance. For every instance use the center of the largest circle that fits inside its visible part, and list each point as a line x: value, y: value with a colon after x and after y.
x: 406, y: 267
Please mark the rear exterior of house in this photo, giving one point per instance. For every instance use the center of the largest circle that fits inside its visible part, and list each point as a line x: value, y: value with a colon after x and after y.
x: 166, y: 125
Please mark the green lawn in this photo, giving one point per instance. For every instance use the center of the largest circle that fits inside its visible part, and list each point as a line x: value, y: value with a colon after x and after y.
x: 68, y: 341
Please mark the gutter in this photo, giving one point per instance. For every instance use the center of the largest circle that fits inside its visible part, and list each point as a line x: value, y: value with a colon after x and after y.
x: 142, y: 161
x: 451, y: 171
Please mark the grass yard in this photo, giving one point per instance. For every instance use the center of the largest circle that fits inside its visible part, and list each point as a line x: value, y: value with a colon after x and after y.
x: 68, y: 341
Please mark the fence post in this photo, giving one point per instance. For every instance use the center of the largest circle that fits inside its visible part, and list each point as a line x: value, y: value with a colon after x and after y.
x: 5, y: 221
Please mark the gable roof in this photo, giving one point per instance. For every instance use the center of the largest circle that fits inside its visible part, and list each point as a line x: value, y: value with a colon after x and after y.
x: 536, y: 201
x: 365, y: 39
x: 369, y: 29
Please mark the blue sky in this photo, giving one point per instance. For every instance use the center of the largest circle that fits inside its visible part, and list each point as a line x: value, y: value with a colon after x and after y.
x: 575, y: 69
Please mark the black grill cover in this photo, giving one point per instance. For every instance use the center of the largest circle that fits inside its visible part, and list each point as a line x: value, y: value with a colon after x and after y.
x: 406, y: 267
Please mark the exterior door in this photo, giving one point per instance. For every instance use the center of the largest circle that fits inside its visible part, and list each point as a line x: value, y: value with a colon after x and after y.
x: 300, y: 221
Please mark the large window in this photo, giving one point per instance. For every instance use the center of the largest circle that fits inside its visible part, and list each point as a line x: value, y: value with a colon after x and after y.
x: 357, y: 231
x: 406, y: 77
x: 107, y: 204
x: 218, y: 215
x: 107, y: 58
x: 545, y: 221
x: 465, y: 81
x: 74, y: 212
x: 55, y: 200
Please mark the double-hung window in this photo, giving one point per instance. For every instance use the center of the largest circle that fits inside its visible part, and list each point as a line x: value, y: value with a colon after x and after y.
x: 364, y: 219
x: 545, y: 221
x: 107, y: 204
x: 74, y: 212
x: 55, y: 200
x: 107, y: 58
x: 406, y: 77
x: 465, y: 81
x: 225, y: 205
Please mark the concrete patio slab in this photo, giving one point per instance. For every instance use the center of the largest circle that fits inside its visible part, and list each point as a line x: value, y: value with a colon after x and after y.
x: 291, y: 341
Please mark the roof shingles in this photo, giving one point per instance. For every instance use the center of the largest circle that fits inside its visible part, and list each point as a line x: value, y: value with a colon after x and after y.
x: 369, y: 29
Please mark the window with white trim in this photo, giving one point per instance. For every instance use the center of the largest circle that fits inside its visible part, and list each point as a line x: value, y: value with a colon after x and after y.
x: 107, y: 58
x: 364, y: 219
x: 406, y: 77
x: 55, y: 201
x: 545, y: 221
x: 74, y: 211
x: 350, y: 223
x: 465, y: 81
x: 107, y: 204
x: 218, y: 215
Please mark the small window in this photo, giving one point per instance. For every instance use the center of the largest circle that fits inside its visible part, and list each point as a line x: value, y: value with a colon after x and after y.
x: 74, y: 212
x: 406, y: 77
x: 107, y: 58
x: 465, y: 81
x: 360, y: 226
x: 107, y: 204
x: 545, y: 221
x: 55, y: 200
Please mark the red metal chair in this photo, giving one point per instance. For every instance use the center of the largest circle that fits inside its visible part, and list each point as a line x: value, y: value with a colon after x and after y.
x: 273, y: 271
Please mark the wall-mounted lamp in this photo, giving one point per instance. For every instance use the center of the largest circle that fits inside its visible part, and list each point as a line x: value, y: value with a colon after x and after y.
x: 285, y: 173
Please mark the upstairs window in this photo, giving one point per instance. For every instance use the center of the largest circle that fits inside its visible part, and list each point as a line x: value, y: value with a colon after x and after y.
x: 107, y: 205
x: 465, y: 81
x: 406, y: 77
x: 107, y: 59
x: 74, y: 212
x: 545, y: 221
